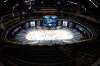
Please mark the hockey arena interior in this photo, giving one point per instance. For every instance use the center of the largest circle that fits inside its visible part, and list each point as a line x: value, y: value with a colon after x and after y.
x: 49, y: 33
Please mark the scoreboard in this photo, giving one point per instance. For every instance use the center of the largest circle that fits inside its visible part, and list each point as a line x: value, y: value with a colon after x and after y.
x: 50, y: 21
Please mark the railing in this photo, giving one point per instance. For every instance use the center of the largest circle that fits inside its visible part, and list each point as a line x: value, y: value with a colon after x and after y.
x: 5, y: 19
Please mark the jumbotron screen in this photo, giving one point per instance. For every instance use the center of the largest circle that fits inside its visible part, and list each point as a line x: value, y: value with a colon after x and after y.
x: 50, y: 21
